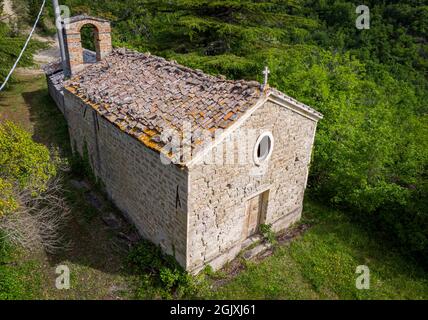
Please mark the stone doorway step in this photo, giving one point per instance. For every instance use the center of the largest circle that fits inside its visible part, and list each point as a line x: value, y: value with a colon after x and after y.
x: 251, y: 249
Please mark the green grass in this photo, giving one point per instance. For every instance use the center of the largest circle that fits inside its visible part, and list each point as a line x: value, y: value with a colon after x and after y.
x: 28, y: 104
x: 322, y: 264
x: 17, y: 280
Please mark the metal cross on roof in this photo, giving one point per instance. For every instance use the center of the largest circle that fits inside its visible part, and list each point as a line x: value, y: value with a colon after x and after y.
x: 266, y: 72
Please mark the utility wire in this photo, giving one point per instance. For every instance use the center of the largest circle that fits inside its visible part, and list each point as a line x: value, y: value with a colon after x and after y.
x: 25, y: 47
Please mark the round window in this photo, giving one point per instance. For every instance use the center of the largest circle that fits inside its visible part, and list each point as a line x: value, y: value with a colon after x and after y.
x: 263, y: 148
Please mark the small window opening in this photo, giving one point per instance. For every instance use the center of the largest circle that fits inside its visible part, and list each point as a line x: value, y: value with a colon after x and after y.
x: 263, y: 148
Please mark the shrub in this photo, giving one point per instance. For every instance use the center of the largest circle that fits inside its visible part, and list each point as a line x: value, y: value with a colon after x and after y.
x: 22, y: 161
x: 159, y: 275
x: 8, y: 202
x: 32, y: 208
x: 267, y: 233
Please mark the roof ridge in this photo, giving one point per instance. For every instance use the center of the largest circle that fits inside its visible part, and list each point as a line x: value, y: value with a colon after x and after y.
x: 174, y: 63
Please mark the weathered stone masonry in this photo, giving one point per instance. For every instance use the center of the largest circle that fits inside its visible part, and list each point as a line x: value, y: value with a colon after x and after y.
x: 218, y: 194
x: 206, y: 226
x: 138, y: 183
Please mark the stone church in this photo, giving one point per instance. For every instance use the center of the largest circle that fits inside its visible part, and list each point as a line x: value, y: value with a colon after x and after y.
x: 196, y: 162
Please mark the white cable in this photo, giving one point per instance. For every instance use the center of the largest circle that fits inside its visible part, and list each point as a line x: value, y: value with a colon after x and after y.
x: 25, y: 47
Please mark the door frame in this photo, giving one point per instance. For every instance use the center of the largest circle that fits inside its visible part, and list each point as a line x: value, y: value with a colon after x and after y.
x: 263, y: 195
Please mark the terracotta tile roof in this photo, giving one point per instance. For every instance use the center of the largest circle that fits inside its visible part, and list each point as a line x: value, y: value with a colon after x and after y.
x: 144, y: 95
x: 56, y: 66
x: 57, y: 79
x: 52, y: 67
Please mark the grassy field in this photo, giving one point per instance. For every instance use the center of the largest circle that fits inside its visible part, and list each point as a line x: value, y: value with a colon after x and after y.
x: 322, y: 264
x: 319, y: 264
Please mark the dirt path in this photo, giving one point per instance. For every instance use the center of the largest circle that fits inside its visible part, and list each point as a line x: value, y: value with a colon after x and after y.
x: 8, y: 9
x: 41, y: 57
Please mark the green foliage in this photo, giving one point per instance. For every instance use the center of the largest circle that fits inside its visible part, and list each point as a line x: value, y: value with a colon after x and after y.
x: 10, y: 47
x: 10, y: 287
x: 322, y: 265
x: 14, y: 283
x: 267, y: 233
x: 8, y: 203
x: 23, y: 164
x: 159, y: 275
x: 81, y: 164
x: 88, y: 37
x: 23, y: 161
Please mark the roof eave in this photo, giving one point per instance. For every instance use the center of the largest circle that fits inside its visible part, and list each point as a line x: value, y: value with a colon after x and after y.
x: 294, y: 105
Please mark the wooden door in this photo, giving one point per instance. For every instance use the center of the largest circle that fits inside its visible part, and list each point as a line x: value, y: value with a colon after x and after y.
x: 253, y: 216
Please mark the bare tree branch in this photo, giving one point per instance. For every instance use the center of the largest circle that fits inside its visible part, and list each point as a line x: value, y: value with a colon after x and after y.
x: 39, y: 220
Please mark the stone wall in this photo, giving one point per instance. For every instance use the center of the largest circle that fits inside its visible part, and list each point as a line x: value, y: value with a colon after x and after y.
x: 152, y: 195
x: 218, y: 194
x: 54, y: 82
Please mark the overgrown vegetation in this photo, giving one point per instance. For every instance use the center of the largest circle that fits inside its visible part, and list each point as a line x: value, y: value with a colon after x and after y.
x: 32, y: 208
x: 267, y: 233
x: 160, y: 276
x: 11, y: 43
x: 320, y: 264
x: 23, y: 161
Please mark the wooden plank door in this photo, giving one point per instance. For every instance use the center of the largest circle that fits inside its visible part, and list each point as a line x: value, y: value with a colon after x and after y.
x: 253, y: 216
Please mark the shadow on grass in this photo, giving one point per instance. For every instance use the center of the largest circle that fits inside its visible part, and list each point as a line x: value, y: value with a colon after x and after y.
x: 91, y: 242
x: 50, y: 127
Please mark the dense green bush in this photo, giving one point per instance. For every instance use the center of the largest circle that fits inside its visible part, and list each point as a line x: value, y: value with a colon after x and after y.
x: 8, y: 203
x: 159, y: 275
x: 23, y: 161
x: 24, y: 164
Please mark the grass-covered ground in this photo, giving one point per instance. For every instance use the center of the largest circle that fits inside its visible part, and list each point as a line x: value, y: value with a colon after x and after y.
x: 319, y: 264
x: 322, y: 264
